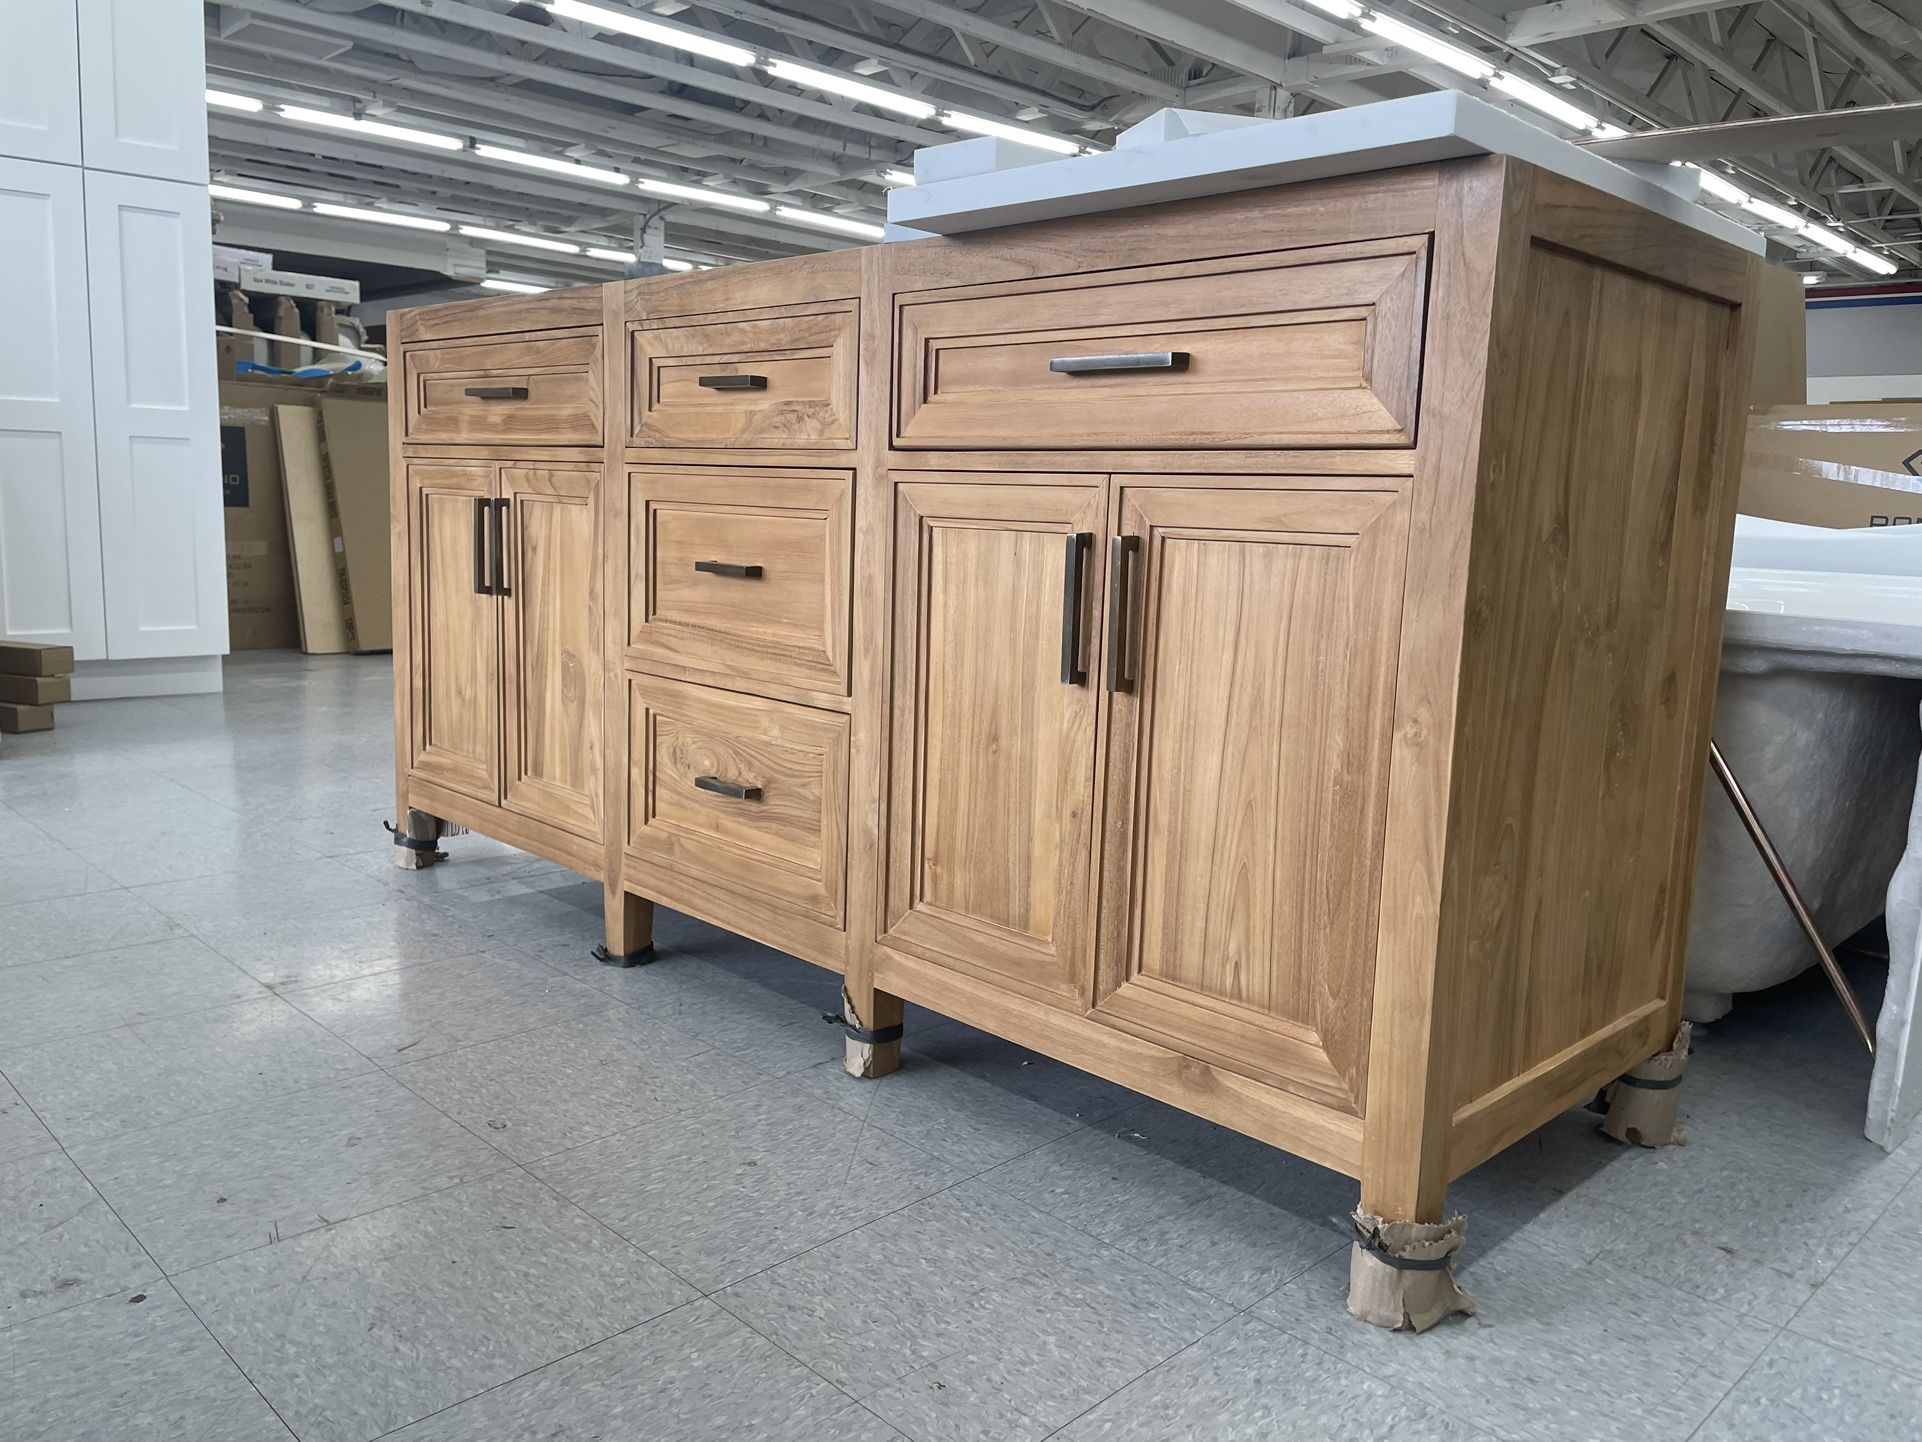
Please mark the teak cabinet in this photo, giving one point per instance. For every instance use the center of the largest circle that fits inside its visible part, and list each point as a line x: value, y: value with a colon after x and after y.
x: 1258, y: 649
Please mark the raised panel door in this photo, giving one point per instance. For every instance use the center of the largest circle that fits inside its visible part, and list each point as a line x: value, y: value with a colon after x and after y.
x: 454, y: 629
x: 989, y: 845
x: 551, y: 643
x: 1248, y: 741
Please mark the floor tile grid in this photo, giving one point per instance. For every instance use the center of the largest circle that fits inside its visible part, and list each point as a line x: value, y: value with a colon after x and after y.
x: 165, y: 1281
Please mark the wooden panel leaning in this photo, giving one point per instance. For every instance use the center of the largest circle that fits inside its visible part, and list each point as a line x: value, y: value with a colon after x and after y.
x: 1309, y: 732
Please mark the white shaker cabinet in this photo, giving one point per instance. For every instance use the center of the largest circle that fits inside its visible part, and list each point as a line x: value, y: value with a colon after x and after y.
x: 156, y: 417
x: 39, y: 80
x: 50, y: 581
x: 143, y: 80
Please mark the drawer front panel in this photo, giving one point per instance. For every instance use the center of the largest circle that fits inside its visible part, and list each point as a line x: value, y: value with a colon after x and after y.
x: 744, y: 794
x: 1317, y: 347
x: 781, y: 379
x: 746, y: 573
x: 543, y: 391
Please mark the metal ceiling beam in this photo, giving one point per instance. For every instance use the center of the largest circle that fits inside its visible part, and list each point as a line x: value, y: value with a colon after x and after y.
x: 1124, y: 80
x: 1567, y: 19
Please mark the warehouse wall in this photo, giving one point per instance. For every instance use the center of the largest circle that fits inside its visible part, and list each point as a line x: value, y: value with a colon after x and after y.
x: 1865, y: 347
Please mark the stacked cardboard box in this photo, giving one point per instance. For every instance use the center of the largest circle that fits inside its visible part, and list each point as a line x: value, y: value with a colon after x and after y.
x: 1842, y: 465
x: 33, y: 679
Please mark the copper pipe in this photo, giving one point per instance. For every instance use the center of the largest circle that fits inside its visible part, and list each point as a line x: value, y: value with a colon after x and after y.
x: 1786, y: 885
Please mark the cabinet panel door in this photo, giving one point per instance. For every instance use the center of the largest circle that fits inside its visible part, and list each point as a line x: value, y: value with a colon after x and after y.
x: 49, y: 497
x: 40, y: 81
x: 989, y: 847
x: 551, y: 645
x: 1247, y: 773
x: 143, y: 86
x: 162, y: 536
x: 455, y: 629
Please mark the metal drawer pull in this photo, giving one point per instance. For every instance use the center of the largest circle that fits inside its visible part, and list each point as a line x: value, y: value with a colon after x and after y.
x: 1121, y: 562
x: 500, y: 546
x: 727, y: 788
x: 1147, y: 360
x: 1080, y: 543
x: 481, y: 587
x: 733, y: 383
x: 498, y: 393
x: 728, y: 568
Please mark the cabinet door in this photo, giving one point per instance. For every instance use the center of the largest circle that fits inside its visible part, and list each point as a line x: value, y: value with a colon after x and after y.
x: 49, y: 498
x: 989, y: 847
x: 163, y: 539
x: 143, y: 86
x: 39, y: 81
x: 551, y: 645
x: 456, y: 634
x: 1247, y: 771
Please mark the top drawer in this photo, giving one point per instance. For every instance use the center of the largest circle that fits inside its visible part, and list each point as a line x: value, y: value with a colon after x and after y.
x: 1317, y: 347
x: 542, y: 390
x: 772, y: 378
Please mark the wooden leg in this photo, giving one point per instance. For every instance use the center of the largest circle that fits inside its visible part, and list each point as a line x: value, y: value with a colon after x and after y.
x: 875, y: 1013
x: 417, y: 841
x: 630, y: 929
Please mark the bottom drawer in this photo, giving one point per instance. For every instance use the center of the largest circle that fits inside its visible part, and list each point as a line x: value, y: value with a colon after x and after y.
x: 744, y: 794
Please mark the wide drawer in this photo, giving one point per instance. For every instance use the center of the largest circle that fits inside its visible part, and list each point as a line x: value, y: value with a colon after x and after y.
x: 1313, y: 347
x: 744, y: 573
x: 773, y: 378
x: 540, y: 390
x: 746, y: 795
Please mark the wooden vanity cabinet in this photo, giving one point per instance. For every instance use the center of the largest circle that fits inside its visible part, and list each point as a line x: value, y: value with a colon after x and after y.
x: 1258, y: 649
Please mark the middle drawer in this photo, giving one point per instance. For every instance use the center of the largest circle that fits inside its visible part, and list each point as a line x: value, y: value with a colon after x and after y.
x: 744, y: 573
x: 775, y: 378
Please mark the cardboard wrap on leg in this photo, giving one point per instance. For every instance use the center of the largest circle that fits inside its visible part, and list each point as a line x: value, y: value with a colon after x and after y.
x: 1401, y: 1275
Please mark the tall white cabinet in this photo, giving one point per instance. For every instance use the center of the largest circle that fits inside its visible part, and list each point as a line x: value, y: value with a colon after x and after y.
x: 111, y: 535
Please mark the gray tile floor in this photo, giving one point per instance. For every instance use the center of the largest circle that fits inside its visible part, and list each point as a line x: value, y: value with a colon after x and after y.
x: 293, y: 1141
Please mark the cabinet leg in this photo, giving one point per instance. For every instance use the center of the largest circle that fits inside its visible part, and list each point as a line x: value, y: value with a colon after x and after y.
x: 630, y: 929
x: 873, y: 1023
x: 417, y: 841
x: 1401, y: 1275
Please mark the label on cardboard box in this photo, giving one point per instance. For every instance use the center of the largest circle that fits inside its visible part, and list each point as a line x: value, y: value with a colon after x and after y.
x: 263, y: 281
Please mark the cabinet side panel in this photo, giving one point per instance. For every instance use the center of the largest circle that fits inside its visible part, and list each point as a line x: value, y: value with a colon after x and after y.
x: 1604, y: 510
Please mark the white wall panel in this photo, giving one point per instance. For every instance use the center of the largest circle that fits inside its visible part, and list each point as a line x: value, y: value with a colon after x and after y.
x: 39, y: 81
x: 50, y: 580
x: 156, y: 420
x: 143, y: 86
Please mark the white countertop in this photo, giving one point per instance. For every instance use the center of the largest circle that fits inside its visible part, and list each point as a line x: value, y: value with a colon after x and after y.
x: 1444, y: 125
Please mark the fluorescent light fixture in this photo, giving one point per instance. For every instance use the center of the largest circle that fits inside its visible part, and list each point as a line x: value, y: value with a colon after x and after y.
x: 509, y: 237
x: 1007, y: 130
x: 673, y: 36
x: 1811, y: 277
x: 1827, y: 238
x: 701, y: 195
x: 619, y: 257
x: 1871, y: 262
x: 672, y: 264
x: 243, y: 196
x: 897, y: 177
x: 837, y: 84
x: 379, y: 217
x: 1433, y: 46
x: 548, y: 162
x: 1340, y: 9
x: 1723, y: 190
x: 1608, y: 132
x: 1546, y: 101
x: 517, y: 287
x: 830, y: 222
x: 227, y: 100
x: 1773, y: 214
x: 370, y: 127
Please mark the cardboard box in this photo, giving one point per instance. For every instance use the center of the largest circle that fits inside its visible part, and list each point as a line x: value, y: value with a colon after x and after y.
x: 1843, y: 465
x: 36, y: 690
x: 34, y: 658
x: 260, y: 581
x: 17, y: 720
x: 231, y: 260
x: 286, y: 322
x: 1781, y: 375
x: 334, y: 461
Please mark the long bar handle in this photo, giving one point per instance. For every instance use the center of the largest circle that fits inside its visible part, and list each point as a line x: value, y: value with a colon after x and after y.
x: 733, y: 383
x: 1080, y: 543
x: 1147, y: 360
x: 499, y: 542
x: 731, y: 789
x: 1121, y: 553
x: 728, y: 568
x: 498, y: 393
x: 481, y: 587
